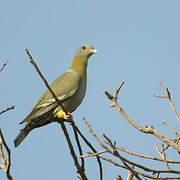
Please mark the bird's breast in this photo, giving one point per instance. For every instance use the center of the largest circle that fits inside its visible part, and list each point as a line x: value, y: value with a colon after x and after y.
x: 78, y: 97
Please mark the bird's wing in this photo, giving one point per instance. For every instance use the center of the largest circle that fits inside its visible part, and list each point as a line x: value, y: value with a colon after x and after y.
x: 64, y: 87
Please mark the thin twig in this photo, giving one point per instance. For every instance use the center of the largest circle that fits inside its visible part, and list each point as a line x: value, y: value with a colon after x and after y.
x: 172, y: 130
x: 3, y: 66
x: 73, y: 154
x: 141, y: 166
x: 135, y: 171
x: 7, y: 109
x: 78, y: 143
x: 168, y: 96
x: 146, y: 157
x: 6, y: 163
x: 94, y: 150
x: 118, y: 177
x: 162, y: 154
x: 90, y: 154
x: 130, y: 175
x: 132, y: 153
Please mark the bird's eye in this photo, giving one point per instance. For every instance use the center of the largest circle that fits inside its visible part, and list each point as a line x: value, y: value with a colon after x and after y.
x: 83, y: 47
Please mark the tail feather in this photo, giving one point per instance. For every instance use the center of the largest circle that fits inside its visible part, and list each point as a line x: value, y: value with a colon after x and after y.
x: 23, y: 133
x: 32, y: 124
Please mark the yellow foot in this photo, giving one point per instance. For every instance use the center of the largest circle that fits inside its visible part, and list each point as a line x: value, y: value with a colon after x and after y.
x: 68, y: 117
x: 61, y: 114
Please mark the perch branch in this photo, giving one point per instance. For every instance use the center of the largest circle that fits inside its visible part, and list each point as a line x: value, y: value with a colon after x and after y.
x: 94, y: 150
x: 78, y: 144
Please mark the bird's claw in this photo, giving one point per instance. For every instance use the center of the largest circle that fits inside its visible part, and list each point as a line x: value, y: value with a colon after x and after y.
x: 68, y: 117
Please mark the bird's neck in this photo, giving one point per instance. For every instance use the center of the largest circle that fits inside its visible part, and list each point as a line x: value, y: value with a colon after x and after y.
x: 80, y: 66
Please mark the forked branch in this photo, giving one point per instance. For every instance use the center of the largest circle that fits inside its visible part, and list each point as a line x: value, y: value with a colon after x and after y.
x: 148, y: 129
x: 168, y: 96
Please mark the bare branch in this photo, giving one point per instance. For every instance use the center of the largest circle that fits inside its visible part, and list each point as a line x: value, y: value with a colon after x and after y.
x: 124, y: 160
x: 94, y: 150
x: 147, y: 130
x: 172, y: 130
x: 93, y: 154
x: 141, y: 166
x: 135, y: 171
x: 146, y: 156
x: 130, y: 175
x: 162, y: 154
x: 168, y: 96
x: 5, y: 163
x: 118, y: 177
x: 3, y: 66
x: 106, y: 148
x: 7, y: 109
x: 78, y: 143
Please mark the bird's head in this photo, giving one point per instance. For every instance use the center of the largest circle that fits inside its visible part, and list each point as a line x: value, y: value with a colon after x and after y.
x: 81, y: 57
x: 85, y: 51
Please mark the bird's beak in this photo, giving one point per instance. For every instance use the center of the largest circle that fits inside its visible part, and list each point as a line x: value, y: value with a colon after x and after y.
x: 94, y: 51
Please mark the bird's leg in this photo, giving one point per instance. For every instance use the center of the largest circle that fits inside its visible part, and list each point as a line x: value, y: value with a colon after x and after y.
x: 67, y: 117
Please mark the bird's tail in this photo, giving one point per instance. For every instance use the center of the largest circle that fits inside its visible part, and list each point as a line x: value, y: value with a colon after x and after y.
x: 23, y: 133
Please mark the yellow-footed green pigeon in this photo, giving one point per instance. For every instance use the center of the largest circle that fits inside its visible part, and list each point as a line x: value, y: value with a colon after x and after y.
x: 70, y: 89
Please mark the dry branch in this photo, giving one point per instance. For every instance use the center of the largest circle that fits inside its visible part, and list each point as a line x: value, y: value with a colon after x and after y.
x: 3, y: 66
x: 6, y: 163
x: 162, y: 154
x: 168, y: 96
x: 172, y: 130
x: 94, y: 150
x: 90, y: 154
x: 135, y: 171
x: 7, y: 109
x: 139, y: 165
x: 130, y: 175
x: 148, y: 129
x: 109, y: 151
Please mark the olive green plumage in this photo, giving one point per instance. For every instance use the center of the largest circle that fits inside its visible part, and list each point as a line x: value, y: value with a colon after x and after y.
x: 70, y: 88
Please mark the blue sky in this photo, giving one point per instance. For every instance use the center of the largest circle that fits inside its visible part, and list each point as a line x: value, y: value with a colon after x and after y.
x: 138, y: 42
